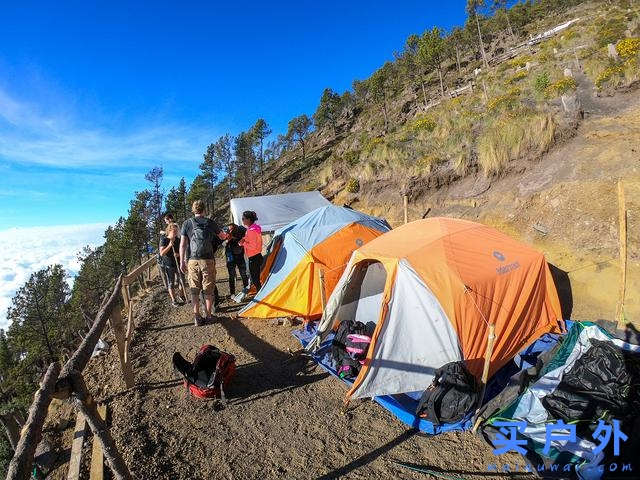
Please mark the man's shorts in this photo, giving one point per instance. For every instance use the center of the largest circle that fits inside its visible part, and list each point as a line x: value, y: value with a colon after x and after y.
x: 202, y: 275
x: 171, y: 274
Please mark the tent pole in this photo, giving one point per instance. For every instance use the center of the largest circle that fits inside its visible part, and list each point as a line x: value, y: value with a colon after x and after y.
x: 323, y: 293
x: 491, y: 338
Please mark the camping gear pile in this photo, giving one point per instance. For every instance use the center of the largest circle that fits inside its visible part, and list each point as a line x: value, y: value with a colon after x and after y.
x: 589, y: 381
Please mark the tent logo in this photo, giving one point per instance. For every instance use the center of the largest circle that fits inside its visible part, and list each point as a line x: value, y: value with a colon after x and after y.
x: 359, y: 242
x: 499, y: 255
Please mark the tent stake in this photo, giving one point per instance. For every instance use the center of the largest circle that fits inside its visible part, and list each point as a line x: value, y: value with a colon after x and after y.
x: 491, y: 338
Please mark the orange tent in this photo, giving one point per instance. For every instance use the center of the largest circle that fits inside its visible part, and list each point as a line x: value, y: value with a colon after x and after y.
x: 432, y: 288
x: 324, y: 238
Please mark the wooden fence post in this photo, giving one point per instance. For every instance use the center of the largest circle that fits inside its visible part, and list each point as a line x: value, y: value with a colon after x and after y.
x: 87, y: 407
x: 118, y: 331
x: 21, y: 465
x: 622, y: 220
x: 405, y: 201
x: 491, y: 338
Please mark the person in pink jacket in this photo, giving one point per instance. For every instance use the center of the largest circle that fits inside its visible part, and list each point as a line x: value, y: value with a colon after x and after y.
x: 252, y: 243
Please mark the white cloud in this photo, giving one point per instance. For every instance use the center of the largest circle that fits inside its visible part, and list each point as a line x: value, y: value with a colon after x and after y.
x: 27, y: 135
x: 29, y: 249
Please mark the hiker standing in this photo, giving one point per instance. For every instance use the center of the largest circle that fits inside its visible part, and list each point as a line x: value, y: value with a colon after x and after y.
x: 252, y: 243
x: 198, y: 236
x: 235, y: 257
x: 169, y: 246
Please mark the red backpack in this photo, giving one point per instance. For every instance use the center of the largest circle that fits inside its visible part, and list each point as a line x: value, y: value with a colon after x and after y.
x: 210, y: 373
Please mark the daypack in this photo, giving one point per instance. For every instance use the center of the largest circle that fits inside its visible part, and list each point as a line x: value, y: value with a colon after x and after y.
x: 210, y: 373
x: 453, y: 393
x: 349, y: 348
x: 201, y: 242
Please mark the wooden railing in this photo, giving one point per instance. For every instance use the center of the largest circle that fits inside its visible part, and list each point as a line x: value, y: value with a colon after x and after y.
x: 67, y: 383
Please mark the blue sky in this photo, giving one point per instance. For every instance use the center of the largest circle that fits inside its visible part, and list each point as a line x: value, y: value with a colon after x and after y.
x: 93, y: 94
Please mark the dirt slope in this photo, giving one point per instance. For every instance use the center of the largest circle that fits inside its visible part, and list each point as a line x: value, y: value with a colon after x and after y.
x: 283, y: 419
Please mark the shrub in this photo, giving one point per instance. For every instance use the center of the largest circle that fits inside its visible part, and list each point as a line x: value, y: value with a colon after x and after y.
x: 353, y: 185
x: 610, y: 32
x: 351, y: 157
x: 570, y: 34
x: 613, y: 72
x: 371, y: 144
x: 504, y: 101
x: 567, y: 84
x: 542, y: 82
x: 517, y: 77
x: 520, y: 61
x: 425, y: 123
x: 628, y: 48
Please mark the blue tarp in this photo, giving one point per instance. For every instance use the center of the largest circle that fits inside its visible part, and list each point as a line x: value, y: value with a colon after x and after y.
x: 403, y: 405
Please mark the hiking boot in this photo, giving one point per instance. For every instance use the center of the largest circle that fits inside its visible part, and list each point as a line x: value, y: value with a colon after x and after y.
x: 211, y: 319
x: 174, y: 303
x: 198, y: 321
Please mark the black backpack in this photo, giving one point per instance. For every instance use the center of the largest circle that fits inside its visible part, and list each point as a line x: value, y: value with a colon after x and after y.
x: 202, y: 238
x: 349, y: 347
x: 453, y: 393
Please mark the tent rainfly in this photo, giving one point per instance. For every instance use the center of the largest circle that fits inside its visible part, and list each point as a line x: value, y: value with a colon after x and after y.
x: 276, y: 211
x: 322, y: 239
x: 432, y: 288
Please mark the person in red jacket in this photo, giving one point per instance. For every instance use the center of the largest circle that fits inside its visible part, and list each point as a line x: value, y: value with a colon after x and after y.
x: 252, y: 243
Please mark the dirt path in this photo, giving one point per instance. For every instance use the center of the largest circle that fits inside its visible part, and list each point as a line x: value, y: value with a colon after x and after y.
x: 282, y: 420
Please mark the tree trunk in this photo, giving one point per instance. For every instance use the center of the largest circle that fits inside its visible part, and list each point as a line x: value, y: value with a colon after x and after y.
x: 509, y: 24
x: 303, y: 152
x: 11, y: 426
x: 441, y: 83
x: 424, y: 93
x: 458, y: 59
x: 261, y: 169
x: 484, y: 55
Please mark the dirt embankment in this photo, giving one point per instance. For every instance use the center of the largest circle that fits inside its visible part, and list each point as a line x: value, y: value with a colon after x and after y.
x: 564, y: 203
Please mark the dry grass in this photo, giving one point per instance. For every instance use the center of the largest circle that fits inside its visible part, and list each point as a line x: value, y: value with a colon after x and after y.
x: 509, y: 138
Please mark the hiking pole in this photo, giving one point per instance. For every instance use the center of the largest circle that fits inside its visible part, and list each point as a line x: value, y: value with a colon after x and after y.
x: 180, y: 275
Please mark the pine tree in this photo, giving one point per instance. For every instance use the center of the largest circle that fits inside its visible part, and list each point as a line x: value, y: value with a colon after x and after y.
x: 39, y: 315
x: 431, y: 47
x: 210, y: 168
x: 260, y: 131
x: 154, y: 177
x: 299, y: 128
x: 328, y: 110
x: 472, y: 10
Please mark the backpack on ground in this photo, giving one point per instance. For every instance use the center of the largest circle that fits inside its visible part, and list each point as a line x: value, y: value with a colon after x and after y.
x: 453, y: 393
x: 210, y: 373
x: 349, y: 348
x: 202, y: 238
